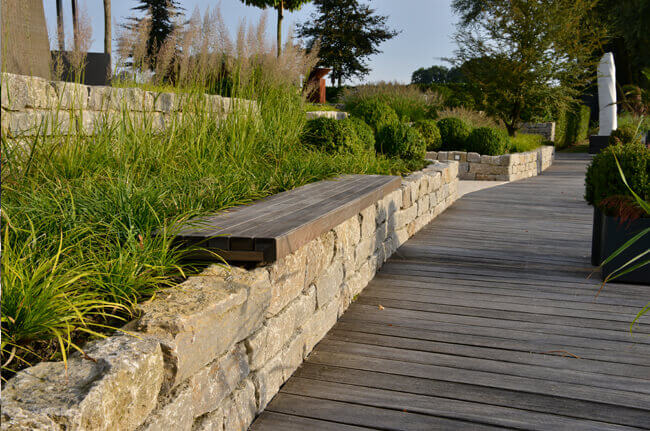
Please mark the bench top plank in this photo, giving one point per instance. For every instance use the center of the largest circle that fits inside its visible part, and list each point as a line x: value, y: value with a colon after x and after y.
x: 280, y: 224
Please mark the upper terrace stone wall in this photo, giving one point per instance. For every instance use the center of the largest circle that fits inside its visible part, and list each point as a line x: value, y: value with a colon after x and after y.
x: 32, y: 105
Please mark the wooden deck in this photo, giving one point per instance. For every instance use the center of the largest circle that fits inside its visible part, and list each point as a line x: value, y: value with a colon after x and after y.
x: 273, y: 227
x: 488, y: 321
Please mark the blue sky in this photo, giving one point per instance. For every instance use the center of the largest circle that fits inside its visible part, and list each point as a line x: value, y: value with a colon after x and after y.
x: 427, y: 27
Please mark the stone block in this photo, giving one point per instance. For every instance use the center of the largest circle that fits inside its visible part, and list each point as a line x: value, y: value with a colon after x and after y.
x: 287, y: 277
x: 20, y: 92
x: 269, y: 378
x: 423, y: 205
x: 368, y: 221
x: 474, y: 157
x: 185, y: 318
x: 320, y: 323
x: 431, y: 155
x: 442, y: 156
x: 126, y: 377
x: 328, y: 285
x: 364, y: 250
x: 348, y: 235
x: 406, y: 195
x: 504, y: 160
x: 165, y: 102
x: 236, y: 413
x: 404, y: 217
x: 72, y: 96
x: 319, y: 253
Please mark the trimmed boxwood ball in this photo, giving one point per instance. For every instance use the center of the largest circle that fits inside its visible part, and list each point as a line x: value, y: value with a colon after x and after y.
x: 604, y: 181
x: 487, y: 141
x: 454, y: 133
x: 430, y: 132
x: 365, y: 134
x: 330, y: 135
x: 624, y: 135
x: 401, y: 140
x: 375, y: 113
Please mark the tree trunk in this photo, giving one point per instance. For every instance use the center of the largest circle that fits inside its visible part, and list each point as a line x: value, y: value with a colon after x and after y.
x: 60, y: 34
x: 107, y: 34
x: 512, y: 130
x: 280, y: 16
x: 75, y: 24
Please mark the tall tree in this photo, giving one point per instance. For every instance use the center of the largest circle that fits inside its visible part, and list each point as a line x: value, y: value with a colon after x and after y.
x: 280, y: 6
x: 346, y: 33
x: 161, y: 14
x: 527, y: 56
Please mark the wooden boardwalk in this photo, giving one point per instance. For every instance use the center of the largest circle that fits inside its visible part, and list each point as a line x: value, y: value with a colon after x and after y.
x: 486, y: 321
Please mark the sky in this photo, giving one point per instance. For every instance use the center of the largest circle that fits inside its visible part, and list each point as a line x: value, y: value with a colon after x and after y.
x: 427, y: 27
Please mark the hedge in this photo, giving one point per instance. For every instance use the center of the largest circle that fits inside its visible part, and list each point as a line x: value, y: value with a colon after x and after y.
x: 571, y: 126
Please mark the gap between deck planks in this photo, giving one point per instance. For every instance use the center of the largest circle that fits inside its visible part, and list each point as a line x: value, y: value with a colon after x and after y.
x: 488, y: 321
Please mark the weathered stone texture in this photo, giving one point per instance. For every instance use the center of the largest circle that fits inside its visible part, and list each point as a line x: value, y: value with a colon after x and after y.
x: 126, y: 378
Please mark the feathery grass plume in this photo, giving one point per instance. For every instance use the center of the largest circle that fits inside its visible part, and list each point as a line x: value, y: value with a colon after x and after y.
x: 80, y: 45
x: 474, y: 118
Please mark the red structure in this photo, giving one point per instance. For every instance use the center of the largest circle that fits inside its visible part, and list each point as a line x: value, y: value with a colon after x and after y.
x: 316, y: 85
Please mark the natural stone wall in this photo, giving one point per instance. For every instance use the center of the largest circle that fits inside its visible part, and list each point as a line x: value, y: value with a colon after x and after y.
x: 336, y: 115
x: 32, y: 105
x: 211, y: 353
x: 547, y: 130
x: 508, y: 167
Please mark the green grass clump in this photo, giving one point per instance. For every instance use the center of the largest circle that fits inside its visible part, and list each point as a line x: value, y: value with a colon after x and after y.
x: 408, y: 101
x: 401, y: 140
x: 523, y: 142
x: 318, y: 107
x: 430, y: 132
x: 454, y: 133
x: 374, y: 113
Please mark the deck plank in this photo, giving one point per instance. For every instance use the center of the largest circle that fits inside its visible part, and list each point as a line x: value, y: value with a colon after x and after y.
x: 488, y: 318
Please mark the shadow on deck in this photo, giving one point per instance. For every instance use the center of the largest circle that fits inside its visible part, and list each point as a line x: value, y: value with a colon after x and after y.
x: 487, y: 320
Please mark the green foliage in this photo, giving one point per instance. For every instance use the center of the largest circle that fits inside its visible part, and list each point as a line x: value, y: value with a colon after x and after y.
x: 603, y: 179
x: 89, y: 221
x: 430, y: 132
x: 365, y: 134
x: 374, y: 113
x: 571, y: 126
x: 624, y: 136
x: 401, y: 140
x: 454, y: 133
x: 436, y: 75
x: 518, y: 51
x: 409, y: 103
x: 345, y: 33
x: 487, y: 141
x: 524, y: 142
x: 327, y: 134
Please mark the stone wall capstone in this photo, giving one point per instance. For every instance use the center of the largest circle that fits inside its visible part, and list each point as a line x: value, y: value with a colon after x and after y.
x: 547, y: 130
x: 211, y: 353
x: 507, y: 167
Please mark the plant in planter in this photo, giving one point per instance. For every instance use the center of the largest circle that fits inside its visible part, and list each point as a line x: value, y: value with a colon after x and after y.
x: 618, y: 217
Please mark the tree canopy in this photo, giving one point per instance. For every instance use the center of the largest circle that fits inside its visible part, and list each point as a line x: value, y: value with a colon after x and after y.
x: 527, y: 56
x: 437, y: 75
x: 346, y: 33
x: 280, y: 6
x: 161, y: 14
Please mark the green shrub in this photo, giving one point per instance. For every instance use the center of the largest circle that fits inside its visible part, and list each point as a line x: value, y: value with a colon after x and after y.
x: 430, y: 132
x: 332, y: 136
x: 454, y: 133
x: 364, y: 132
x: 625, y: 135
x: 401, y: 140
x: 375, y: 113
x: 487, y: 141
x: 524, y: 142
x: 603, y: 179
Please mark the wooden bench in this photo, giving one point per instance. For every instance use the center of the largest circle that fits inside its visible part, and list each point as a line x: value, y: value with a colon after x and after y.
x: 271, y: 228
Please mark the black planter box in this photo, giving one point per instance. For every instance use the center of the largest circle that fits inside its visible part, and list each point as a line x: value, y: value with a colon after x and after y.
x: 610, y: 234
x: 597, y: 143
